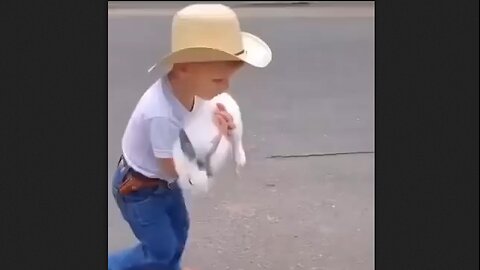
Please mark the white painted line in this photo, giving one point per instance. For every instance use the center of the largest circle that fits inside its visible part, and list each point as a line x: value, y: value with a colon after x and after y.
x: 152, y: 68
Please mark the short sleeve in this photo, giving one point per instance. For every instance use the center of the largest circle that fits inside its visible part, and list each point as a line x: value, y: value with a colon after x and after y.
x: 163, y: 134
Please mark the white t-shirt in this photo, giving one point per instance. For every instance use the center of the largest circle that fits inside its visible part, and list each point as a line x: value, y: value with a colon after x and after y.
x: 153, y: 128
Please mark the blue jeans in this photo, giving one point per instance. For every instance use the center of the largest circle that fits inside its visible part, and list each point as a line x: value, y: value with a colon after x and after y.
x: 159, y: 219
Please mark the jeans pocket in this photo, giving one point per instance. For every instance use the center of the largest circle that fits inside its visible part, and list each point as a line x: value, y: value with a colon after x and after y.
x: 149, y: 210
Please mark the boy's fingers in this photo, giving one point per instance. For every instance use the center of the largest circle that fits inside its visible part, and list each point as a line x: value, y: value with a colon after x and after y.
x: 222, y: 110
x: 228, y: 120
x: 220, y: 120
x: 221, y: 124
x: 224, y: 122
x: 230, y: 117
x: 225, y: 115
x: 221, y: 107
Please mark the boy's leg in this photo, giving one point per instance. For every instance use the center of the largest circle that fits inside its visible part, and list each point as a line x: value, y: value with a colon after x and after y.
x: 157, y: 246
x: 146, y: 213
x: 180, y: 223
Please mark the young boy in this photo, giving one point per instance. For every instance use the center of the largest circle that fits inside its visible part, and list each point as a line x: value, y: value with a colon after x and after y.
x: 207, y: 49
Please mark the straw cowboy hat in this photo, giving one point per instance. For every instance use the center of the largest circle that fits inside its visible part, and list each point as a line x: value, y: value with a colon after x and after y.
x: 211, y: 32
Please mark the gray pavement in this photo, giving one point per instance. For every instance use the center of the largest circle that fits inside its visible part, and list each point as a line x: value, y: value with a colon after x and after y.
x: 317, y: 96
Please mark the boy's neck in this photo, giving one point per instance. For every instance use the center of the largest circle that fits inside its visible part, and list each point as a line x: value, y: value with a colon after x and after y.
x: 182, y: 91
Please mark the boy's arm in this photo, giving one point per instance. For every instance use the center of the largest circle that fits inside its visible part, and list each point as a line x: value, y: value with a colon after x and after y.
x: 167, y: 166
x: 163, y: 134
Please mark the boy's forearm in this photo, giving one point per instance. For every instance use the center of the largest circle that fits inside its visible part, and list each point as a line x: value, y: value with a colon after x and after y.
x: 167, y: 165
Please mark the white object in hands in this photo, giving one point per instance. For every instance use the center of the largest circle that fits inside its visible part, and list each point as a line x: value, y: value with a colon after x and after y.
x: 200, y: 152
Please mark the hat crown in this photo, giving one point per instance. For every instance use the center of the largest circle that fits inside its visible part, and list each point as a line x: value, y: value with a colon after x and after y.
x: 213, y: 26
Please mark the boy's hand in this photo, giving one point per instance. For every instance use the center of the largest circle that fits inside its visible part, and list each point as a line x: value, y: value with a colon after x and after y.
x: 223, y: 120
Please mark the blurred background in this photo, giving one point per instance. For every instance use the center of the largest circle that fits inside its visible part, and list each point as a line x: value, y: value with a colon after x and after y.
x: 311, y: 205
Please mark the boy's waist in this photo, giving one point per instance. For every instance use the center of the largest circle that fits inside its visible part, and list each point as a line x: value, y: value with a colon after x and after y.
x: 135, y: 181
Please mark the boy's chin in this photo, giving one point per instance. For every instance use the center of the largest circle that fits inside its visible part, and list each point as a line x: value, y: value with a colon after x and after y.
x: 208, y: 96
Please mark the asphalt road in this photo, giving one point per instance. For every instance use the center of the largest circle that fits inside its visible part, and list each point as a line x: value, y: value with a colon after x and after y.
x: 317, y: 96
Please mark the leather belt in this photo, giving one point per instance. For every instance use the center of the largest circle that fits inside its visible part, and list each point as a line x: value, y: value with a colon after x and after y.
x: 135, y: 181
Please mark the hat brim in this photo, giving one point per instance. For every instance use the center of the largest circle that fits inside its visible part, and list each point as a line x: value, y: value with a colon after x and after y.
x: 255, y: 52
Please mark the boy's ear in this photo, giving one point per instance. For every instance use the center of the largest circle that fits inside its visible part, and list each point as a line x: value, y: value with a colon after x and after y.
x: 183, y: 67
x: 180, y: 68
